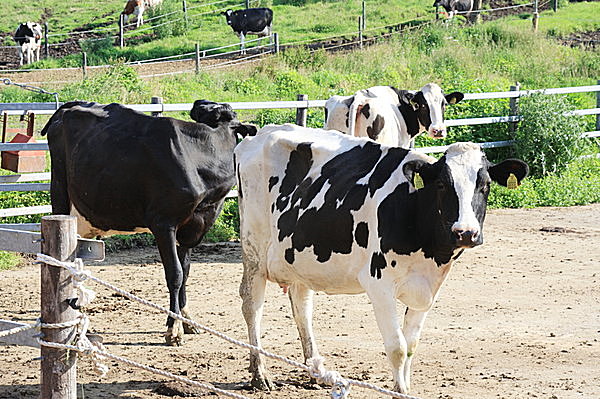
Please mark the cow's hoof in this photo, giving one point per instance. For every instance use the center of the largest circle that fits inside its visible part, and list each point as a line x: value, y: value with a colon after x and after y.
x: 173, y: 340
x: 174, y: 335
x: 262, y: 383
x: 190, y: 329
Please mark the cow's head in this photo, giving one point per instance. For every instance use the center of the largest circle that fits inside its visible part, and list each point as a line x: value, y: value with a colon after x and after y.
x: 442, y: 3
x: 429, y: 104
x: 228, y: 14
x: 455, y: 192
x: 215, y: 114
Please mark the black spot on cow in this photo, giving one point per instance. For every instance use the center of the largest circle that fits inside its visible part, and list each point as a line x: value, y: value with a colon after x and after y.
x: 329, y: 228
x: 388, y: 164
x: 361, y: 234
x: 376, y: 128
x: 298, y: 166
x: 289, y: 255
x: 378, y: 263
x: 393, y: 263
x: 272, y: 182
x: 366, y: 110
x: 397, y: 228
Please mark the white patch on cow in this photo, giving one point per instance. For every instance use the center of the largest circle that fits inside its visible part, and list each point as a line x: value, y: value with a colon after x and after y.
x: 465, y: 160
x: 435, y: 98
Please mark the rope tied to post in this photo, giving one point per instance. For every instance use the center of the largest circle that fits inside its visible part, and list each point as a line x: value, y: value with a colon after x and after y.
x: 79, y: 275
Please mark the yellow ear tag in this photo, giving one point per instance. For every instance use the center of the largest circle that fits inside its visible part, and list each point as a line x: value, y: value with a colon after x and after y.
x: 418, y: 181
x: 512, y: 182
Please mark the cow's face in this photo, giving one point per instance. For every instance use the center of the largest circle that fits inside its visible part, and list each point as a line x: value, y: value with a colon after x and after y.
x: 218, y: 114
x: 456, y: 189
x: 228, y: 14
x: 441, y: 3
x: 430, y: 104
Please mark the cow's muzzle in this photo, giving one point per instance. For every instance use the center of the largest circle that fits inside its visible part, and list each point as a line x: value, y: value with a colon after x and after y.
x: 437, y: 133
x: 467, y: 238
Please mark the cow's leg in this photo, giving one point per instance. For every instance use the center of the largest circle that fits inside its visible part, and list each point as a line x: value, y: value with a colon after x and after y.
x: 252, y: 291
x: 384, y: 304
x: 165, y: 241
x: 20, y: 51
x: 242, y: 44
x: 413, y: 324
x: 183, y: 253
x: 301, y: 299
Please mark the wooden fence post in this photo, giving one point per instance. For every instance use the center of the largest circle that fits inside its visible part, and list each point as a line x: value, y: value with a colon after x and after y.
x: 197, y: 47
x: 46, y: 47
x: 84, y: 64
x: 598, y: 106
x: 554, y: 5
x: 301, y: 113
x: 156, y: 100
x: 536, y: 16
x: 514, y: 106
x: 185, y: 13
x: 475, y: 17
x: 360, y: 32
x: 275, y: 43
x: 247, y: 4
x: 364, y: 16
x: 58, y: 366
x: 121, y: 30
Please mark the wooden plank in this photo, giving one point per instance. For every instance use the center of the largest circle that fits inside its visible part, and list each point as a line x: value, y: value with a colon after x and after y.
x: 38, y: 146
x: 26, y: 210
x: 25, y: 187
x: 25, y: 177
x: 28, y: 242
x: 25, y: 338
x: 21, y: 226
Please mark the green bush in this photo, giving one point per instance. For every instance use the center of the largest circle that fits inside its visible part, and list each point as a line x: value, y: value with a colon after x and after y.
x: 548, y: 139
x: 167, y: 26
x: 227, y: 225
x: 8, y: 260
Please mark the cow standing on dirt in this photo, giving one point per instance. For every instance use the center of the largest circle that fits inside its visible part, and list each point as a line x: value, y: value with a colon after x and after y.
x: 123, y: 170
x: 28, y: 37
x: 323, y: 211
x: 251, y: 21
x: 454, y: 7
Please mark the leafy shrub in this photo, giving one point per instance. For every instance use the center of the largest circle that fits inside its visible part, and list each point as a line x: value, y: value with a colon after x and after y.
x: 227, y: 225
x: 297, y: 57
x: 98, y: 51
x: 430, y: 38
x: 548, y: 139
x: 167, y: 26
x: 8, y: 260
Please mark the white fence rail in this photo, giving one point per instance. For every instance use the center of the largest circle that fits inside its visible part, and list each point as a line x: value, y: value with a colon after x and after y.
x: 27, y: 182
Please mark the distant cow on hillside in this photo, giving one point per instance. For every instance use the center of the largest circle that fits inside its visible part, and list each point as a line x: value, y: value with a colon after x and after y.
x: 136, y: 8
x: 454, y: 7
x: 251, y: 21
x: 28, y: 37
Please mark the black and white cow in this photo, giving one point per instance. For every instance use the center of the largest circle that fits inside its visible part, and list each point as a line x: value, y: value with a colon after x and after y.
x: 323, y: 211
x: 453, y: 7
x: 390, y: 116
x: 251, y: 21
x: 28, y: 37
x: 124, y: 170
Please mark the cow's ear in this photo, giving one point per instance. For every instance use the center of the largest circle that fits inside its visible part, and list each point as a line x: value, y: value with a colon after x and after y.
x: 246, y: 130
x: 412, y: 168
x: 501, y: 172
x: 455, y: 97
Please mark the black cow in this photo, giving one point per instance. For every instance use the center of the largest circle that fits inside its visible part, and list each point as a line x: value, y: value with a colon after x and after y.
x: 455, y: 6
x: 124, y: 170
x: 323, y: 211
x: 251, y: 21
x: 28, y: 37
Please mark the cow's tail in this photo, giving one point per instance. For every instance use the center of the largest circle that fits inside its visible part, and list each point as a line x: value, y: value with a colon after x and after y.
x: 354, y: 112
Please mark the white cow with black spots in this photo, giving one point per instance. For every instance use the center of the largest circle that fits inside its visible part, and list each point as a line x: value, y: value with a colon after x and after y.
x: 324, y: 211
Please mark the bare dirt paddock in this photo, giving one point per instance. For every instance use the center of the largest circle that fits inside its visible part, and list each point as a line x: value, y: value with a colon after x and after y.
x: 518, y: 318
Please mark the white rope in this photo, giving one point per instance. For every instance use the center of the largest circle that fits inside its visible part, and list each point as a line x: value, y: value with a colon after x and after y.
x: 317, y: 369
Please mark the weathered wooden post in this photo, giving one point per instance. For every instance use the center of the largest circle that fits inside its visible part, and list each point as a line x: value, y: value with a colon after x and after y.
x: 360, y: 32
x: 121, y: 30
x: 513, y: 104
x: 437, y: 12
x: 364, y: 16
x: 58, y: 366
x: 185, y: 13
x: 536, y: 16
x: 554, y: 5
x: 156, y: 100
x: 197, y: 48
x: 247, y: 4
x: 301, y: 112
x: 46, y: 46
x: 475, y: 16
x: 84, y: 64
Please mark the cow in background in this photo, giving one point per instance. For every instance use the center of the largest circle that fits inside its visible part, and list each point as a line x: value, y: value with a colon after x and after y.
x: 390, y: 116
x: 251, y: 21
x: 124, y: 171
x: 136, y: 9
x: 454, y: 7
x: 28, y: 37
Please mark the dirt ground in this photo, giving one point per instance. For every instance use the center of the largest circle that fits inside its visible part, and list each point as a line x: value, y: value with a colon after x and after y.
x: 519, y: 317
